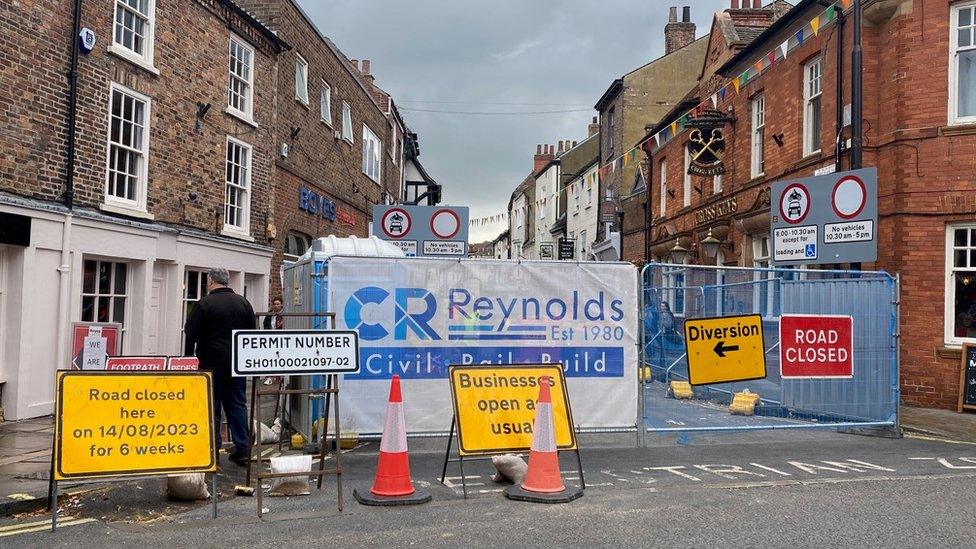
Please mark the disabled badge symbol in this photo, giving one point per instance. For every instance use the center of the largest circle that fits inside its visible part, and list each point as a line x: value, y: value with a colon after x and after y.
x: 811, y: 250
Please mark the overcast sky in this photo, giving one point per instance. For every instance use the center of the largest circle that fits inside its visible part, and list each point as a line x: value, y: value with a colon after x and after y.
x: 503, y: 56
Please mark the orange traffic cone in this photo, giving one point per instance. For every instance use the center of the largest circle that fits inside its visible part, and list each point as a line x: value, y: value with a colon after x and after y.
x: 392, y: 484
x: 543, y: 483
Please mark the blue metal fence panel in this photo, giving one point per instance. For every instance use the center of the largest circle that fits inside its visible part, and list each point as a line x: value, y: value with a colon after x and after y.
x: 674, y: 293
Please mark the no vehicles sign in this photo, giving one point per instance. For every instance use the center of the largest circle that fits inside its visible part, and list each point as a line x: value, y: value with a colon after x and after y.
x: 724, y: 349
x: 133, y: 423
x: 495, y: 407
x: 825, y: 219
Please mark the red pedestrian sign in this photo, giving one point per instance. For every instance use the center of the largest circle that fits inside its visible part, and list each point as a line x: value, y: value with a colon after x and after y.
x: 816, y: 346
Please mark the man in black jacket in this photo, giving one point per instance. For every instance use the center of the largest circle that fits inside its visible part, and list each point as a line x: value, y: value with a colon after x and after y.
x: 208, y: 335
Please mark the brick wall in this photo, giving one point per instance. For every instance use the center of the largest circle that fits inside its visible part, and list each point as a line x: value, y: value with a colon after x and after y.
x: 331, y: 166
x: 191, y: 55
x: 925, y: 171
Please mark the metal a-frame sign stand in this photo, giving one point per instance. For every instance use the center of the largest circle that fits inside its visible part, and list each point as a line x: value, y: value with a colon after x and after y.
x: 256, y: 449
x: 486, y: 455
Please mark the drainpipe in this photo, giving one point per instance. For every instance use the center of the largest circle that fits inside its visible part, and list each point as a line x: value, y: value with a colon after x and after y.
x: 839, y: 126
x: 857, y: 90
x: 64, y: 269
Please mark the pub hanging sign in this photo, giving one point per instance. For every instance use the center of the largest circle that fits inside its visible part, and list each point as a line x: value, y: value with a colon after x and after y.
x: 706, y: 143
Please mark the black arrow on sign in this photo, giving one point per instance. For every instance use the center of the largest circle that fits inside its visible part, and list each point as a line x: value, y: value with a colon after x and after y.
x: 721, y: 347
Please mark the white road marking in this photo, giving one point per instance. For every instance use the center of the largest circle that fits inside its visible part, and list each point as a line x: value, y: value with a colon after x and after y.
x: 770, y: 469
x: 40, y: 526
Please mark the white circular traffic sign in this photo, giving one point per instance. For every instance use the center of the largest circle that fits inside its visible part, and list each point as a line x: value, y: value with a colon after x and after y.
x: 396, y: 223
x: 445, y: 223
x: 794, y: 203
x: 848, y: 197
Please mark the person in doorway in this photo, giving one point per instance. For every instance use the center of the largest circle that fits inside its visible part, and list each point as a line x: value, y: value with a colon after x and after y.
x: 275, y: 321
x: 208, y: 336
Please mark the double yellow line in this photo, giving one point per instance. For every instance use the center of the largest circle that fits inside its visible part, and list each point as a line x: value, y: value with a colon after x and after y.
x: 40, y: 525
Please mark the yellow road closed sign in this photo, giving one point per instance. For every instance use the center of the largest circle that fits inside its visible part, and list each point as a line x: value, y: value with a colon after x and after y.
x: 133, y: 423
x: 724, y: 349
x: 495, y: 407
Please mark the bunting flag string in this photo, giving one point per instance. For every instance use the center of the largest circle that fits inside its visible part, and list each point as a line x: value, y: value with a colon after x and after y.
x: 732, y: 86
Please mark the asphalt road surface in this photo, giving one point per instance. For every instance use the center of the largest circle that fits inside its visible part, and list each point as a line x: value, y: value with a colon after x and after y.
x: 771, y: 489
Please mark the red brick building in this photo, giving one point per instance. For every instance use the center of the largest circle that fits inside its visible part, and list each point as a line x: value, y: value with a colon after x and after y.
x: 170, y: 173
x: 338, y: 138
x: 920, y: 132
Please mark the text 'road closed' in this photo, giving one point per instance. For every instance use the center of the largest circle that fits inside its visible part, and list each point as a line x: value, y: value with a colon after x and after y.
x: 725, y: 349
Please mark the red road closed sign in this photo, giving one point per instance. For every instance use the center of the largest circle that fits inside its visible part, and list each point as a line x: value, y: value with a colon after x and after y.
x: 816, y: 346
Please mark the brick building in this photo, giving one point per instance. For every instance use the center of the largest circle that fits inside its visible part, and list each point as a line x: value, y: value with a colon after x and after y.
x: 172, y: 174
x: 338, y: 137
x: 631, y: 103
x: 919, y: 120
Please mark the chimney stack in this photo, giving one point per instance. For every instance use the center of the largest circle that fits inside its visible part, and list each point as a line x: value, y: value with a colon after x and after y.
x: 365, y: 66
x: 679, y: 34
x: 757, y: 4
x: 354, y: 63
x: 593, y: 128
x: 543, y: 155
x: 735, y: 4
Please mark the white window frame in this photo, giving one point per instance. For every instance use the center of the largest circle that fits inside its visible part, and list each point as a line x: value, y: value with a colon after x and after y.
x: 758, y: 135
x: 811, y: 143
x: 611, y: 115
x: 686, y: 199
x: 347, y: 122
x: 144, y: 59
x: 372, y: 155
x: 248, y: 97
x: 325, y: 103
x: 138, y: 204
x: 112, y: 294
x: 301, y: 88
x: 717, y: 183
x: 663, y: 170
x: 768, y: 309
x: 954, y: 51
x: 244, y: 229
x: 951, y: 339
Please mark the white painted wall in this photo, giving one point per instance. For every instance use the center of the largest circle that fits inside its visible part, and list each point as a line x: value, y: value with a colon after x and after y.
x: 546, y: 193
x: 29, y: 305
x: 583, y: 205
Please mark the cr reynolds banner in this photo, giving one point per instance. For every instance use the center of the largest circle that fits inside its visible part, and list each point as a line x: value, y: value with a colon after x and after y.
x: 416, y: 317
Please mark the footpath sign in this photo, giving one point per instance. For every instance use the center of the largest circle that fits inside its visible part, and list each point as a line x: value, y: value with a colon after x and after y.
x: 294, y: 352
x: 133, y: 423
x: 423, y: 231
x: 816, y: 346
x: 826, y: 219
x: 495, y: 407
x: 151, y: 363
x: 724, y: 349
x: 92, y: 343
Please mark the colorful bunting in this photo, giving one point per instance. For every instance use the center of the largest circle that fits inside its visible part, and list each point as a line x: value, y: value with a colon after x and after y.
x: 815, y: 25
x: 736, y: 82
x: 799, y: 37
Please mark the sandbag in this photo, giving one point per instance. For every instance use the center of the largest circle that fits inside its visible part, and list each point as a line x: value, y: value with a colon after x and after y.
x: 268, y: 434
x: 510, y: 468
x: 290, y: 486
x: 188, y: 487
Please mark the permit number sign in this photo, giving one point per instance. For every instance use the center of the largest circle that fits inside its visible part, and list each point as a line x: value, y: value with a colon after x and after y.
x: 725, y: 349
x: 295, y: 352
x: 816, y: 346
x: 495, y: 407
x: 133, y: 423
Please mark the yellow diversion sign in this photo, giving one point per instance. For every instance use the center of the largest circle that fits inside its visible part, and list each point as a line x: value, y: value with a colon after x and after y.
x: 133, y: 423
x: 724, y: 349
x: 495, y: 407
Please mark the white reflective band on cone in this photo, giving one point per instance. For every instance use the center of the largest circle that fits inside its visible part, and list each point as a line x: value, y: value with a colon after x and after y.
x: 394, y: 430
x: 543, y: 435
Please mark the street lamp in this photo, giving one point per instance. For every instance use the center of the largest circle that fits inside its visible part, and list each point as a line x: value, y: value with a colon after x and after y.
x: 679, y: 253
x: 710, y: 245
